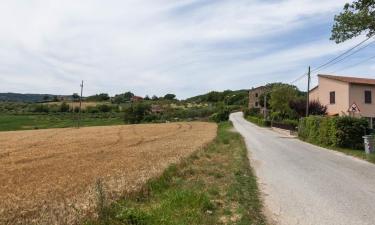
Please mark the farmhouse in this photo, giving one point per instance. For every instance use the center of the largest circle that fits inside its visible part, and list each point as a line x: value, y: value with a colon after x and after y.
x: 350, y: 96
x: 254, y: 97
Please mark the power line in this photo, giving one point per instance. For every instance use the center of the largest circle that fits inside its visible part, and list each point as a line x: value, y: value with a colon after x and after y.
x: 354, y: 65
x: 339, y: 56
x: 347, y: 56
x: 299, y: 78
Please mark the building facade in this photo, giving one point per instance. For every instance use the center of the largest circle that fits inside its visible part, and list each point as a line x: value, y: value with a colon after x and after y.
x: 346, y: 96
x: 254, y: 97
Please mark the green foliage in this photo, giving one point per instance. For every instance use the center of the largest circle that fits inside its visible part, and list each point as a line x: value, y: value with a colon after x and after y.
x: 98, y: 98
x: 64, y: 107
x: 214, y: 184
x: 259, y: 121
x: 222, y: 114
x: 281, y: 96
x: 76, y: 97
x: 345, y: 132
x: 240, y: 97
x: 357, y: 18
x: 170, y: 97
x: 136, y: 113
x: 251, y: 112
x: 123, y: 98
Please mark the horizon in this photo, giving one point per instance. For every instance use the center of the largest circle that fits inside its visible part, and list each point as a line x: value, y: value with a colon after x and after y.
x: 187, y: 48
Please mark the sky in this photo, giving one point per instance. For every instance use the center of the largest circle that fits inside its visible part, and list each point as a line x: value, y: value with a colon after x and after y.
x: 155, y: 47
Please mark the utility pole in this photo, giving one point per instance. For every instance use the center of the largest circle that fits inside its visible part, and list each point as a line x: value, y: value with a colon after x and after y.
x: 80, y: 106
x: 308, y: 92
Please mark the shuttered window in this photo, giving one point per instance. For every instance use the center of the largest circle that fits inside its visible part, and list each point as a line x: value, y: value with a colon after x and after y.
x: 368, y: 97
x: 332, y: 97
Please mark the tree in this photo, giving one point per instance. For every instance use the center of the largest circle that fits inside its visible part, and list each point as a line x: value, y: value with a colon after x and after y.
x: 356, y: 19
x: 147, y: 98
x: 98, y: 97
x: 75, y: 97
x: 122, y: 98
x: 315, y: 107
x: 136, y: 112
x: 170, y: 97
x: 64, y: 107
x: 154, y: 98
x: 281, y: 96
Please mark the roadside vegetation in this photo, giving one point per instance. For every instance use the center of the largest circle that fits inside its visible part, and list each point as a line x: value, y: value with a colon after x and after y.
x: 344, y: 134
x: 286, y: 104
x: 214, y: 186
x: 126, y: 108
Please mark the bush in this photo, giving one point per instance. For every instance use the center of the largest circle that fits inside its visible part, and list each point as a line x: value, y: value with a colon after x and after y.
x: 251, y: 112
x: 345, y: 132
x: 259, y: 121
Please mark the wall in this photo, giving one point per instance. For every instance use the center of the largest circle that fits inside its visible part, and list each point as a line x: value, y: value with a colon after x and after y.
x: 357, y: 96
x: 314, y: 94
x: 252, y: 96
x: 342, y: 95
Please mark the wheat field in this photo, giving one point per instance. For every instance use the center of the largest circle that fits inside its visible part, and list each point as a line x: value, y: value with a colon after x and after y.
x: 49, y: 176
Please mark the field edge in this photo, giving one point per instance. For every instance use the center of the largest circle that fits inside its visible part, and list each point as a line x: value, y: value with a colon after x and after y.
x: 215, y: 185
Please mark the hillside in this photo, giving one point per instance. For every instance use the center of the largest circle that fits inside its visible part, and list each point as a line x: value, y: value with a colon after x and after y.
x: 17, y: 97
x: 238, y: 97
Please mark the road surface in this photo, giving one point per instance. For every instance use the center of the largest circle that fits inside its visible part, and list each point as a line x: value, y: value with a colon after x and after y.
x: 308, y: 185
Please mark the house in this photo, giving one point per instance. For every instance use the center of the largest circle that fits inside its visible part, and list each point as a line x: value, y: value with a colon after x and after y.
x: 349, y: 96
x: 136, y: 99
x: 254, y: 97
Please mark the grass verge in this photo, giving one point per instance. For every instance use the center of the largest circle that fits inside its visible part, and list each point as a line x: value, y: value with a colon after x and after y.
x: 10, y: 122
x: 361, y: 154
x: 214, y: 186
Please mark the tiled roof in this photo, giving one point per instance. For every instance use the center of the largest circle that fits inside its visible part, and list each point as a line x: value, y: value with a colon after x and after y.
x: 352, y: 80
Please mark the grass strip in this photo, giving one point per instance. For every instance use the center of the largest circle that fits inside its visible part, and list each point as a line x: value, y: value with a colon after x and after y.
x: 215, y: 185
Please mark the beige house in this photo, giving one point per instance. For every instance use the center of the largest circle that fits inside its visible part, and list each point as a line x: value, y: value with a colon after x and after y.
x: 350, y: 96
x: 254, y: 97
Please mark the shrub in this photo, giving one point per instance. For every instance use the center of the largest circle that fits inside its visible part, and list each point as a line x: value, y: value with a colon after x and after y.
x: 259, y: 121
x: 345, y: 132
x: 251, y: 112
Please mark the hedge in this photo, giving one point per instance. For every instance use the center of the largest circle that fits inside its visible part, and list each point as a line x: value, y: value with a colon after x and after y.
x: 345, y: 132
x: 259, y: 121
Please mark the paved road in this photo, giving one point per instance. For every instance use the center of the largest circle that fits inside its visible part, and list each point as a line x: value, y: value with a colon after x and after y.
x: 307, y: 185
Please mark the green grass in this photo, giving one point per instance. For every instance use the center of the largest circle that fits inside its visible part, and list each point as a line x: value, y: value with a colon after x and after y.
x: 214, y: 186
x: 42, y: 121
x: 361, y: 154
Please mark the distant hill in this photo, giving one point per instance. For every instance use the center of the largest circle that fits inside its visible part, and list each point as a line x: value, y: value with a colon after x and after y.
x: 17, y: 97
x: 238, y: 97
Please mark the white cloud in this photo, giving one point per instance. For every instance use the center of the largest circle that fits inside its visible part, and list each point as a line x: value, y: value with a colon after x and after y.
x: 154, y: 47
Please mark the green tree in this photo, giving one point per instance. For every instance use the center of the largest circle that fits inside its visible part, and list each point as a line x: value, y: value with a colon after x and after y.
x: 98, y: 97
x: 136, y: 112
x: 64, y: 107
x: 170, y: 97
x: 357, y: 18
x: 122, y: 98
x: 75, y: 97
x: 281, y: 96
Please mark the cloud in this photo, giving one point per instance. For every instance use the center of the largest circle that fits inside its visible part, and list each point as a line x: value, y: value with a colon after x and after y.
x: 155, y: 47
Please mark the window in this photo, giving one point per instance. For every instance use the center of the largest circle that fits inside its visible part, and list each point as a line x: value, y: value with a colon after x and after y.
x: 368, y: 97
x: 256, y: 104
x: 256, y: 95
x: 332, y: 97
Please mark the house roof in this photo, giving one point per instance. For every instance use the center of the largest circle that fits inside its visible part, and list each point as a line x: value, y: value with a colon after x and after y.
x: 351, y: 80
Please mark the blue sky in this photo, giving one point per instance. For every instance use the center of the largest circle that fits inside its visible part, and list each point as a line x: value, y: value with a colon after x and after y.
x: 186, y: 47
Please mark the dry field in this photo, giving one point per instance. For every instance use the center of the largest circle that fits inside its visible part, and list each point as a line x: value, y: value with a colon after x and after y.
x: 49, y: 176
x: 76, y: 104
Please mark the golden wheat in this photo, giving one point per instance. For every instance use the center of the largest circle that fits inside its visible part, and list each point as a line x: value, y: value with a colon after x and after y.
x: 48, y: 176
